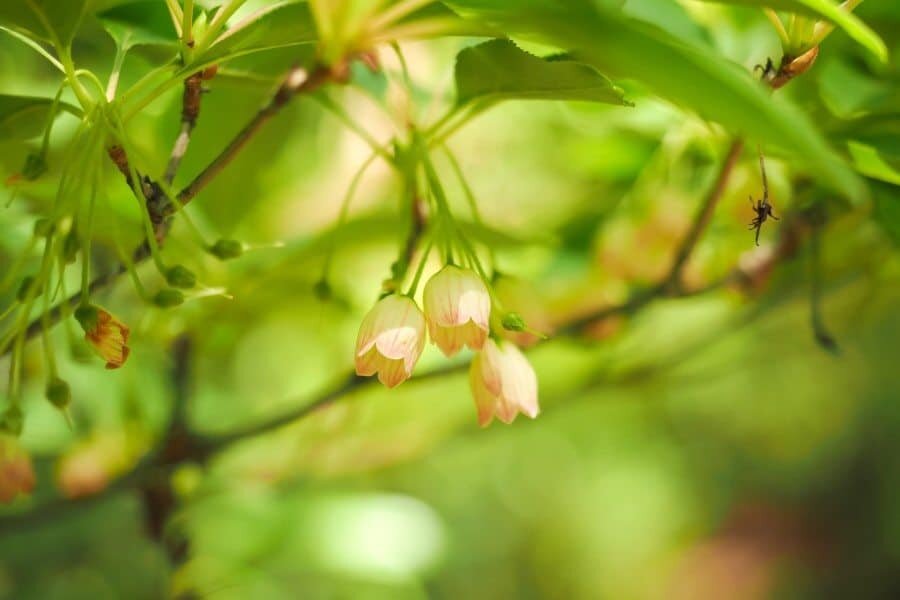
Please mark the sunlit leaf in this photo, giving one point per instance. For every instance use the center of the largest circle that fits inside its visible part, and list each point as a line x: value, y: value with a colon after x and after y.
x: 687, y: 75
x: 499, y: 70
x: 277, y: 26
x: 831, y: 11
x: 139, y: 23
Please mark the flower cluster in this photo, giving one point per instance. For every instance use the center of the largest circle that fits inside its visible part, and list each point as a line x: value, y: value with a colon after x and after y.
x: 457, y: 314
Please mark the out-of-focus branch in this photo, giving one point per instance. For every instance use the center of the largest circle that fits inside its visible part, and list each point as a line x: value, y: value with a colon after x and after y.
x: 672, y: 281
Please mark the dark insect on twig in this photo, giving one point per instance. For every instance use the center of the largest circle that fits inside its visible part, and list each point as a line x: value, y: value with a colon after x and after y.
x: 762, y: 208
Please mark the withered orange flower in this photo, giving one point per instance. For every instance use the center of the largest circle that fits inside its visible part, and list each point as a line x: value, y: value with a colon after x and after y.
x: 107, y: 334
x: 16, y: 472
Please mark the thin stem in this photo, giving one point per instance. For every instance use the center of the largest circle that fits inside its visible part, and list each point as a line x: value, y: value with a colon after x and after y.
x: 212, y: 32
x: 345, y: 211
x: 396, y: 12
x: 420, y: 269
x: 778, y: 25
x: 338, y: 111
x: 112, y: 84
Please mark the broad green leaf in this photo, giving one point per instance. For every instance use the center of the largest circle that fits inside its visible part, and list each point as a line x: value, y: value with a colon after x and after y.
x: 499, y: 70
x: 277, y: 26
x: 139, y: 23
x: 51, y: 20
x: 25, y: 117
x: 830, y: 11
x: 694, y: 78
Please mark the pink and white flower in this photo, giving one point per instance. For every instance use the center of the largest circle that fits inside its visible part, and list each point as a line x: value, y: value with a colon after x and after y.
x: 503, y: 383
x: 391, y: 339
x: 457, y: 309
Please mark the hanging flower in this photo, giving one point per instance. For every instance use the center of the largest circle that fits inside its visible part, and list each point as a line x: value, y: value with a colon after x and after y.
x: 457, y: 309
x: 391, y: 339
x: 106, y: 334
x: 503, y: 383
x: 16, y: 472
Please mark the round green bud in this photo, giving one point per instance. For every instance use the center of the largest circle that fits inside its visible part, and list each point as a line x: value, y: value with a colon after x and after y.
x: 181, y: 277
x: 513, y: 322
x: 168, y: 298
x: 71, y: 246
x: 87, y: 316
x: 323, y: 290
x: 58, y: 393
x: 43, y: 228
x: 25, y: 288
x: 35, y: 166
x: 12, y: 421
x: 226, y: 249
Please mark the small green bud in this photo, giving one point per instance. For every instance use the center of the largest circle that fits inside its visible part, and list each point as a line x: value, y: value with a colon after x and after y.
x: 226, y: 249
x: 25, y: 288
x: 513, y: 322
x: 88, y: 316
x: 58, y: 393
x: 323, y: 290
x: 71, y: 246
x: 43, y: 228
x: 12, y: 421
x: 35, y: 166
x: 181, y: 277
x: 168, y: 298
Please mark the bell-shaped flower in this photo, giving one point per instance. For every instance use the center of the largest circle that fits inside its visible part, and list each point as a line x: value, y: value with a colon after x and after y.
x: 503, y: 383
x: 16, y: 472
x: 391, y: 339
x: 457, y: 309
x: 107, y: 335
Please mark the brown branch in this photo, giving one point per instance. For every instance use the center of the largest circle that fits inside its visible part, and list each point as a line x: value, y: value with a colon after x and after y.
x: 190, y: 112
x: 672, y: 281
x: 298, y: 81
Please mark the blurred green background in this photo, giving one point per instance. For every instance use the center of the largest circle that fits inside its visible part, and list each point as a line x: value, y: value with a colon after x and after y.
x: 705, y: 447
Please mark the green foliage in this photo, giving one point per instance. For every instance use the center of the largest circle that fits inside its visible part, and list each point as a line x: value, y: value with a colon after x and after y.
x: 829, y: 10
x: 241, y: 221
x: 25, y: 117
x: 622, y: 47
x: 499, y: 70
x: 51, y: 20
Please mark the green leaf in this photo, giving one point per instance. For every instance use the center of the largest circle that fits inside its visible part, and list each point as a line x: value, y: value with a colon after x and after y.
x: 45, y: 19
x: 830, y: 11
x: 499, y: 70
x: 887, y: 210
x: 144, y: 23
x: 25, y: 117
x: 692, y: 77
x: 870, y: 163
x: 277, y: 26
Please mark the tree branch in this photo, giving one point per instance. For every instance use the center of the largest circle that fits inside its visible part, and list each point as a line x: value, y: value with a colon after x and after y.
x: 296, y: 83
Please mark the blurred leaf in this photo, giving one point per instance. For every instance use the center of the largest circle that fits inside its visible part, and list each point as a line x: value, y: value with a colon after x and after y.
x: 869, y: 162
x: 687, y: 75
x: 139, y: 23
x: 887, y: 210
x: 282, y: 24
x: 830, y: 11
x: 498, y: 70
x: 63, y: 17
x: 24, y: 117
